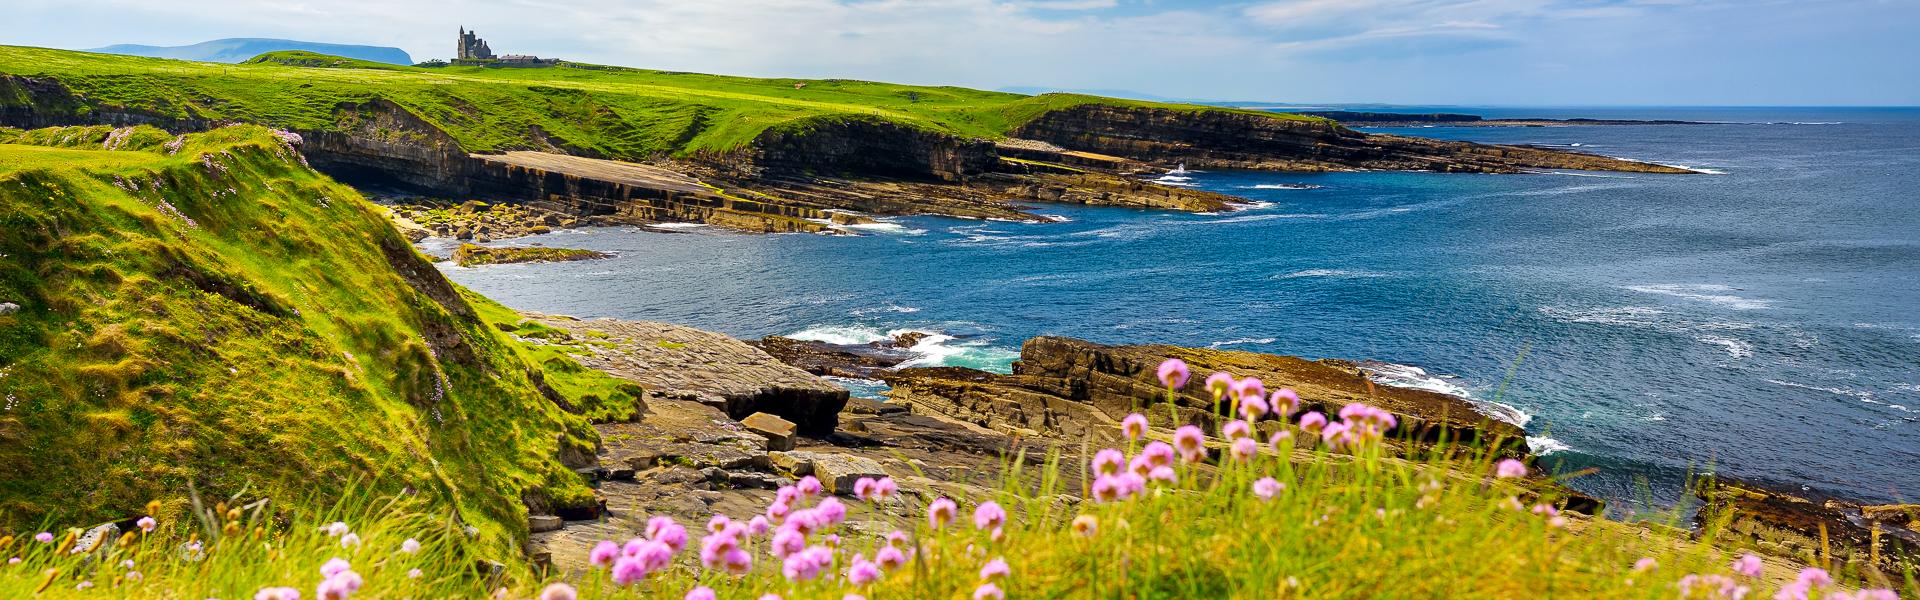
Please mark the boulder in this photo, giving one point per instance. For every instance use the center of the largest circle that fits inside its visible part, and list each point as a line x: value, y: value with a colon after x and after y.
x: 779, y: 432
x: 836, y: 472
x: 7, y: 308
x: 543, y: 523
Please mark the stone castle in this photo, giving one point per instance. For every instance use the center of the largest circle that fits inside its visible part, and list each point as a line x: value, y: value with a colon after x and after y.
x: 473, y: 51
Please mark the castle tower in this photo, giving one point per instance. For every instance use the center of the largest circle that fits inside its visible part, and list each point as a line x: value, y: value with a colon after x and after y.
x: 471, y: 46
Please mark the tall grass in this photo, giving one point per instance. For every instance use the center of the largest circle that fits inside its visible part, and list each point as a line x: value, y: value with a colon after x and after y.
x: 1365, y: 521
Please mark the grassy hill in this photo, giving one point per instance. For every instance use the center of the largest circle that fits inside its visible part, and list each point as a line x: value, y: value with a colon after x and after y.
x: 610, y: 111
x: 207, y: 310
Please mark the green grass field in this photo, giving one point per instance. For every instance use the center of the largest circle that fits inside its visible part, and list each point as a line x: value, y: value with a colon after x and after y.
x: 616, y: 112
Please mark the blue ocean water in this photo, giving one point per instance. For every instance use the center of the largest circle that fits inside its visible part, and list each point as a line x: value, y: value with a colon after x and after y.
x: 1761, y: 319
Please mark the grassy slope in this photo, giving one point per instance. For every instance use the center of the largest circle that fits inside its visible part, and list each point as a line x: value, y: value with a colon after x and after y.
x: 267, y: 342
x: 617, y: 112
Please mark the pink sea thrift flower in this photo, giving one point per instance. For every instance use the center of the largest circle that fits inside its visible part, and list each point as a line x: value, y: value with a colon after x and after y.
x: 863, y: 488
x: 809, y: 486
x: 1236, y: 429
x: 414, y: 573
x: 1719, y: 586
x: 1281, y: 441
x: 337, y: 529
x: 1313, y: 422
x: 664, y: 530
x: 1086, y: 525
x: 339, y: 587
x: 787, y: 541
x: 1748, y: 565
x: 1173, y: 373
x: 1284, y: 402
x: 1106, y: 488
x: 1253, y: 407
x: 277, y: 593
x: 890, y: 558
x: 1509, y: 468
x: 1190, y: 442
x: 862, y: 571
x: 559, y: 591
x: 989, y: 515
x: 718, y: 523
x: 629, y: 570
x: 1336, y: 434
x: 758, y: 526
x: 1163, y: 474
x: 831, y: 511
x: 1267, y: 487
x: 603, y: 554
x: 1108, y: 462
x: 1244, y: 449
x: 410, y: 546
x: 988, y: 591
x: 1134, y: 426
x: 43, y: 537
x: 995, y: 569
x: 334, y: 567
x: 700, y: 593
x: 146, y: 524
x: 884, y: 488
x: 1645, y: 564
x: 1814, y: 576
x: 1250, y: 387
x: 1158, y: 454
x: 940, y: 512
x: 1219, y: 384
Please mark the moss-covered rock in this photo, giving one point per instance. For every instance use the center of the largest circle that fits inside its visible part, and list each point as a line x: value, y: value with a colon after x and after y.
x: 470, y: 255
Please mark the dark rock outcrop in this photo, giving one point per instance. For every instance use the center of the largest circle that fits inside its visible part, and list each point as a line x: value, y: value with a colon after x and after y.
x: 866, y: 146
x: 1885, y: 537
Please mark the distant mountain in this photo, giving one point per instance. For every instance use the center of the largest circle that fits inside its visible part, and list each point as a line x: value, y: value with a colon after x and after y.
x: 233, y: 50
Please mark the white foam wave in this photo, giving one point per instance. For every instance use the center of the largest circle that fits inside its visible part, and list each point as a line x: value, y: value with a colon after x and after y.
x: 885, y: 227
x: 1240, y: 342
x: 1281, y: 186
x: 1542, y: 445
x: 890, y: 308
x: 941, y: 350
x: 1709, y: 293
x: 1056, y: 218
x: 1735, y: 348
x: 1264, y: 217
x: 1408, y: 376
x: 844, y: 335
x: 675, y: 225
x: 1596, y: 175
x: 1332, y: 273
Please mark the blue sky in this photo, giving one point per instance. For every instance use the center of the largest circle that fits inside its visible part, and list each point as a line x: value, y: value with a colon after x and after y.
x: 1516, y: 52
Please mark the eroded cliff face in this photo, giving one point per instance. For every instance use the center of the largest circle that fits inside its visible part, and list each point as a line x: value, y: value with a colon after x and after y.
x: 865, y: 147
x: 1238, y: 140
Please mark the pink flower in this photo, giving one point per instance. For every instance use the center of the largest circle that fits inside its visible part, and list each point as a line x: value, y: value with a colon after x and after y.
x: 1509, y: 468
x: 1106, y: 488
x: 655, y: 555
x: 664, y: 530
x: 1236, y: 429
x: 1250, y: 387
x: 989, y: 515
x: 1645, y: 564
x: 1219, y: 384
x: 1243, y: 449
x: 787, y: 541
x: 1267, y: 487
x: 411, y: 546
x: 809, y: 486
x: 628, y: 570
x: 1748, y: 565
x: 863, y: 488
x: 1336, y: 435
x: 884, y: 488
x: 831, y: 511
x: 1163, y: 474
x: 43, y: 537
x: 1157, y: 454
x: 988, y: 591
x: 146, y: 524
x: 1813, y: 576
x: 863, y: 572
x: 559, y: 591
x: 787, y: 494
x: 1313, y: 422
x: 1086, y: 525
x: 1134, y: 426
x: 995, y: 569
x: 1281, y: 441
x: 334, y: 567
x: 940, y: 512
x: 717, y: 523
x: 1284, y: 402
x: 700, y: 593
x: 1719, y: 586
x: 1191, y: 442
x: 758, y: 526
x: 1252, y: 407
x: 339, y: 587
x: 1173, y: 373
x: 603, y: 554
x: 1108, y: 462
x: 736, y: 562
x: 778, y: 511
x: 890, y: 558
x: 277, y: 593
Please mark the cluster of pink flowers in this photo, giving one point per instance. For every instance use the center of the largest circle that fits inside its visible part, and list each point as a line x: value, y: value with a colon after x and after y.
x: 338, y: 580
x: 875, y: 490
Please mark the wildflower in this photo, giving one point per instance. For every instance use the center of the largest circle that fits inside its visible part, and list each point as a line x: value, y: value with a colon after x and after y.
x: 988, y: 591
x: 995, y: 569
x: 83, y: 585
x: 1157, y: 454
x: 1512, y: 503
x: 1250, y: 387
x: 1173, y: 373
x: 989, y: 515
x: 1163, y: 474
x: 1283, y: 402
x: 897, y: 539
x: 890, y: 558
x: 830, y: 511
x: 1267, y: 487
x: 862, y: 572
x: 126, y: 564
x: 758, y: 525
x: 628, y: 570
x: 1219, y: 384
x: 718, y: 523
x: 13, y: 561
x: 559, y: 591
x: 1190, y: 442
x: 1134, y: 426
x: 414, y: 574
x: 1645, y: 564
x: 43, y: 537
x: 999, y: 534
x: 778, y: 511
x: 1106, y: 488
x: 654, y: 555
x: 700, y: 593
x: 1337, y: 434
x: 1814, y: 576
x: 771, y: 597
x: 277, y: 593
x: 412, y: 546
x: 1236, y: 429
x: 884, y: 488
x: 350, y: 540
x: 1281, y: 441
x: 809, y: 486
x: 1313, y: 421
x: 133, y: 575
x: 666, y: 531
x: 338, y: 587
x: 337, y: 529
x: 787, y: 541
x: 334, y: 567
x: 1509, y: 468
x: 1748, y: 565
x: 853, y: 597
x: 787, y: 494
x: 1086, y: 525
x: 940, y: 512
x: 1252, y: 407
x: 1108, y: 462
x: 1719, y: 586
x: 1243, y: 449
x: 146, y: 524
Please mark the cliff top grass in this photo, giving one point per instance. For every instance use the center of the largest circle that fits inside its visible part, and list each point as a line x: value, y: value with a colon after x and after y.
x: 205, y: 310
x: 616, y: 112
